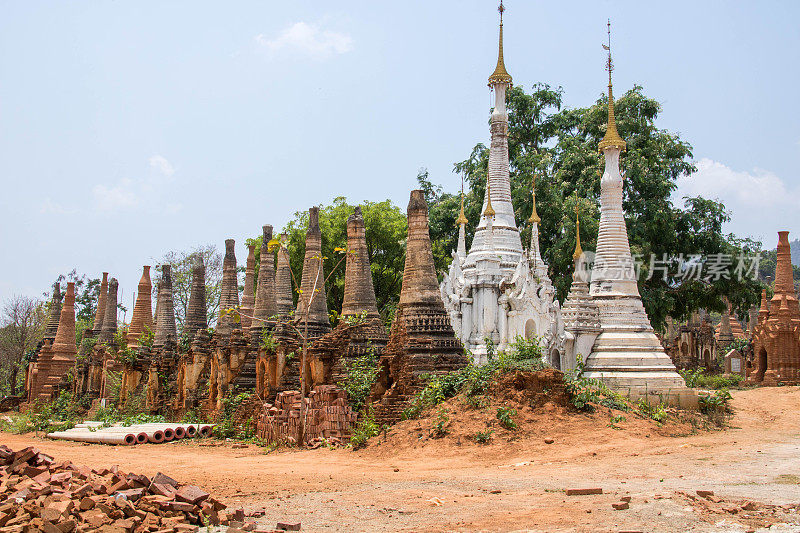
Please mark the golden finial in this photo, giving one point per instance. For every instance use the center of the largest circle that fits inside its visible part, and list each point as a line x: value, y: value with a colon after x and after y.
x: 611, y: 138
x: 534, y: 215
x: 500, y: 74
x: 578, y: 249
x: 489, y: 211
x: 462, y: 219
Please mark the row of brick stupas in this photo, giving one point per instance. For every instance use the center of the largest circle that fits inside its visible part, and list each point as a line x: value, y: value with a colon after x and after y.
x: 257, y: 342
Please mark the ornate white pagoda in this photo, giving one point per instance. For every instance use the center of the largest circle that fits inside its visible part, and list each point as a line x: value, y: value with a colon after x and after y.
x: 498, y: 291
x: 626, y: 355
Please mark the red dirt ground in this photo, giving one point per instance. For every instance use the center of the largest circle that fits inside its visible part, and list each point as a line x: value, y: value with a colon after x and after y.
x: 410, y: 483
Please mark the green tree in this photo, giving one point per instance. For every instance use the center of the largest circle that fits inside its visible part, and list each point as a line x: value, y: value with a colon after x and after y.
x: 386, y: 230
x: 22, y: 326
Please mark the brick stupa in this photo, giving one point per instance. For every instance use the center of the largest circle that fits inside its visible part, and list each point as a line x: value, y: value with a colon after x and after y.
x: 776, y: 342
x: 248, y: 295
x: 229, y: 297
x: 359, y: 293
x: 422, y: 341
x: 142, y: 317
x: 284, y: 303
x: 109, y: 324
x: 56, y: 360
x: 313, y: 282
x: 55, y: 313
x: 166, y: 334
x: 100, y: 312
x: 196, y: 313
x: 265, y: 304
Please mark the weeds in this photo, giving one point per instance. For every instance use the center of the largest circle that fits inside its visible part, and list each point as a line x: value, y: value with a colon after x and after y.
x: 473, y: 381
x: 361, y: 372
x: 506, y: 417
x: 583, y: 392
x: 699, y: 379
x: 483, y: 437
x: 365, y: 429
x: 440, y: 424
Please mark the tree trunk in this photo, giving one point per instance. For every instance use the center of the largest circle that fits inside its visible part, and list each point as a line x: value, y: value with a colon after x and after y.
x: 12, y: 380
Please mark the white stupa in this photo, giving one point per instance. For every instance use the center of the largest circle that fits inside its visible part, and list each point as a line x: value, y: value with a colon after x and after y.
x: 626, y: 355
x: 497, y: 291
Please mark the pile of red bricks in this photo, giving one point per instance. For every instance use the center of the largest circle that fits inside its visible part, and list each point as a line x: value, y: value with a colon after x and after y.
x: 40, y: 494
x: 327, y: 413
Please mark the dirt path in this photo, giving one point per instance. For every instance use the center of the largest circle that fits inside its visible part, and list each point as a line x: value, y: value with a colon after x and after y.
x: 507, y: 486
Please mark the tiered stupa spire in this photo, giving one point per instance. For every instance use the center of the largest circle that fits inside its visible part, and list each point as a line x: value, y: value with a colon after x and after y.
x: 64, y: 344
x: 626, y: 355
x: 284, y: 303
x: 55, y: 313
x: 196, y: 311
x: 265, y: 305
x: 359, y: 293
x: 461, y: 223
x: 497, y: 291
x: 229, y: 296
x: 142, y: 317
x: 248, y: 296
x: 101, y: 304
x: 166, y: 333
x: 109, y: 327
x: 313, y: 281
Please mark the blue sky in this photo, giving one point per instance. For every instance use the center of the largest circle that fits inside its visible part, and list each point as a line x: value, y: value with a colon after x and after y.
x: 128, y: 129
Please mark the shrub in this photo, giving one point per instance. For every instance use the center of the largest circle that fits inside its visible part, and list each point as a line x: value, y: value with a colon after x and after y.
x: 716, y: 402
x: 506, y: 417
x: 583, y: 391
x: 483, y: 437
x: 440, y: 424
x: 360, y: 374
x: 699, y: 379
x: 365, y: 429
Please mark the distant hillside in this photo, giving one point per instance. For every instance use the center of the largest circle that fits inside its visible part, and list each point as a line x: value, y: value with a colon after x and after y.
x: 795, y: 246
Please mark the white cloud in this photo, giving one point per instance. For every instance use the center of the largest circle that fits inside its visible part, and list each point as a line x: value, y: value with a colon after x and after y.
x: 760, y: 201
x: 51, y: 207
x: 310, y: 39
x: 123, y: 195
x: 161, y: 164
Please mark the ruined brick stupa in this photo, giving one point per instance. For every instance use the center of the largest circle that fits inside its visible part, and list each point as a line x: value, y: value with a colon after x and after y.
x: 265, y: 306
x: 499, y: 291
x: 142, y: 318
x: 776, y: 341
x: 314, y: 309
x: 229, y: 295
x: 196, y: 315
x: 627, y: 355
x: 422, y: 341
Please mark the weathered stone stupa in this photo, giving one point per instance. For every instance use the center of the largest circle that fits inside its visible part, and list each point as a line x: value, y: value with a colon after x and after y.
x: 627, y: 355
x: 166, y: 334
x: 229, y: 297
x: 100, y: 312
x: 142, y: 317
x: 265, y: 305
x: 55, y: 313
x: 284, y: 303
x: 248, y: 295
x: 53, y: 363
x: 196, y: 314
x: 359, y: 293
x: 109, y: 325
x: 498, y: 291
x: 776, y: 342
x: 313, y: 282
x: 422, y: 341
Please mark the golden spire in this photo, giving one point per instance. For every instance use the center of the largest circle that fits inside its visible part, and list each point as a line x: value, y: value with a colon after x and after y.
x: 578, y: 249
x: 500, y: 74
x: 611, y: 138
x: 534, y: 215
x: 462, y: 219
x: 489, y: 211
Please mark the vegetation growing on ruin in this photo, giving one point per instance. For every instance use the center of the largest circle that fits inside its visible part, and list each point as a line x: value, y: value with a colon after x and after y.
x: 700, y: 379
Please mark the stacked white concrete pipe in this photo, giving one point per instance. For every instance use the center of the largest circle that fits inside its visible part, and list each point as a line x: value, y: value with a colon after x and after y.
x: 91, y: 431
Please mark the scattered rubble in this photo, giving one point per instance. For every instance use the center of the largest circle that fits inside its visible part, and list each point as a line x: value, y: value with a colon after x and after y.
x: 39, y: 494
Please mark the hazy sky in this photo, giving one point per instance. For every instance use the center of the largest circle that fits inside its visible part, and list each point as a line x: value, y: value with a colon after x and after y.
x: 128, y: 129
